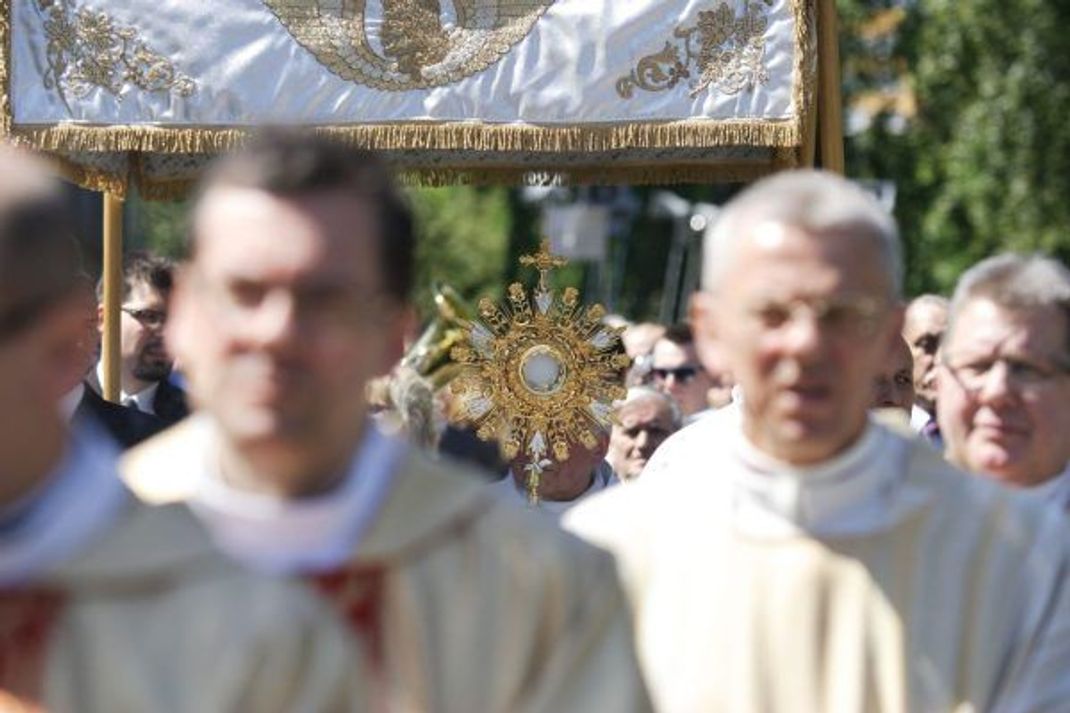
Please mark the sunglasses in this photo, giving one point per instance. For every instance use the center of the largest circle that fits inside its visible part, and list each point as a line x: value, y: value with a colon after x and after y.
x: 681, y: 374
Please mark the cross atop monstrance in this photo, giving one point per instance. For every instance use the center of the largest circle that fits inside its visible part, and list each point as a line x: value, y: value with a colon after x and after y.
x: 543, y: 261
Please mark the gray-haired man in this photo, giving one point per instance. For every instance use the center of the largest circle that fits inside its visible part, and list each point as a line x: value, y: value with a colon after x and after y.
x: 1004, y: 386
x: 793, y: 554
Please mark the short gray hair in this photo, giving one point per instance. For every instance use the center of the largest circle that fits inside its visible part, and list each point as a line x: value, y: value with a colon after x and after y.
x: 816, y: 201
x: 641, y: 393
x: 1015, y: 281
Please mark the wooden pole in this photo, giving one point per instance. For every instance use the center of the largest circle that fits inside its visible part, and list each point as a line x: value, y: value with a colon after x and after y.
x: 829, y: 92
x: 113, y: 294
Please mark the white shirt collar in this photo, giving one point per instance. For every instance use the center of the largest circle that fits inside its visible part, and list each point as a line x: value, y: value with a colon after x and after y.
x: 143, y: 399
x: 284, y: 536
x: 919, y: 418
x: 852, y: 493
x: 68, y: 404
x: 506, y: 488
x: 76, y: 503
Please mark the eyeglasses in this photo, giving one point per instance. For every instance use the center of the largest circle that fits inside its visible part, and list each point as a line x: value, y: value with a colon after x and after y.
x: 854, y: 316
x: 1026, y: 377
x: 681, y: 374
x: 152, y: 318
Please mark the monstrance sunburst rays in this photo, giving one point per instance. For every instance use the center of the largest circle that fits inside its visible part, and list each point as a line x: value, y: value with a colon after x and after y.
x: 540, y: 372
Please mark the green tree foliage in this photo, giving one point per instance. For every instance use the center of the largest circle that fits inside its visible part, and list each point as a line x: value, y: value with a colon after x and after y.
x: 985, y: 164
x: 463, y: 239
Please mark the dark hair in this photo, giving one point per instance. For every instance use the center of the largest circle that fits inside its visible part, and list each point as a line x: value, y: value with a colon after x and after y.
x: 679, y: 333
x: 143, y: 268
x: 39, y: 256
x: 290, y: 162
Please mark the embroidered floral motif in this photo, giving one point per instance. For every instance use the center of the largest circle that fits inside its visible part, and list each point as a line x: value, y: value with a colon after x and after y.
x: 87, y: 50
x: 726, y: 52
x: 420, y: 45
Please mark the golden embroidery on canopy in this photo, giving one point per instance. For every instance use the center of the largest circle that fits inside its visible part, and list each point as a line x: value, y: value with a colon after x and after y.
x: 727, y: 53
x: 88, y: 50
x: 422, y: 43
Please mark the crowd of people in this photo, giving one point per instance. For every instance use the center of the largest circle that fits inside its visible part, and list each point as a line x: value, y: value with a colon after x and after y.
x: 814, y: 496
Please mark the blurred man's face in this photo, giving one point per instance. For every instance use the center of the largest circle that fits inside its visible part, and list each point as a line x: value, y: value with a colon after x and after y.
x: 643, y: 425
x: 566, y: 480
x: 281, y: 320
x: 923, y: 328
x: 678, y: 372
x: 144, y: 356
x: 1004, y: 392
x: 894, y: 386
x: 805, y: 325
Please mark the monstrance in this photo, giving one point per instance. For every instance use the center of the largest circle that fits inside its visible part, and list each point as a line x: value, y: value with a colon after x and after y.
x: 540, y: 372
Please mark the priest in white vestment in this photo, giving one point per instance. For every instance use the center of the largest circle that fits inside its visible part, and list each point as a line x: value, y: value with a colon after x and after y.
x: 453, y: 600
x: 793, y: 555
x: 1004, y: 376
x: 108, y: 605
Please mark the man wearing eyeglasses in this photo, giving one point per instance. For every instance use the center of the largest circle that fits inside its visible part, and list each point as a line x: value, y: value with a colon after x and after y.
x: 1004, y: 385
x: 454, y: 601
x: 797, y: 554
x: 677, y: 371
x: 145, y: 363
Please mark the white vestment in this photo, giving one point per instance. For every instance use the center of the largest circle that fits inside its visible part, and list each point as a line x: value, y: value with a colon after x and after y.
x: 884, y: 580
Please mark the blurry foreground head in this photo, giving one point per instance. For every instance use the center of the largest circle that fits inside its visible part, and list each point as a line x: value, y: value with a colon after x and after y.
x: 1004, y: 380
x: 42, y: 319
x: 800, y: 299
x: 924, y: 325
x: 894, y: 385
x: 294, y: 298
x: 645, y: 419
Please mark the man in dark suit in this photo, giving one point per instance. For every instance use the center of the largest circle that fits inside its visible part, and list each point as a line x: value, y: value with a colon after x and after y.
x: 145, y: 363
x: 126, y: 425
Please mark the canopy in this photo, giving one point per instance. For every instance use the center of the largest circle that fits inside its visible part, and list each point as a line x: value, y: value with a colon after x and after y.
x: 493, y: 91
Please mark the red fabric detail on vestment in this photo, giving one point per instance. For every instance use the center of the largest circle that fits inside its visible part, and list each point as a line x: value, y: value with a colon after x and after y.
x: 27, y: 619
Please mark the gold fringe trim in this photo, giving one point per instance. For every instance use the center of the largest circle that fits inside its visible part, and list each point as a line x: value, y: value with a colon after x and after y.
x: 788, y: 136
x: 462, y: 136
x: 90, y: 178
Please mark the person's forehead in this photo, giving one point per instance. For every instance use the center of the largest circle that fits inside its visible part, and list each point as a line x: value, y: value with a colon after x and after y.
x: 644, y: 410
x: 234, y: 225
x: 924, y: 319
x: 822, y: 262
x: 984, y: 327
x: 669, y: 354
x: 144, y: 294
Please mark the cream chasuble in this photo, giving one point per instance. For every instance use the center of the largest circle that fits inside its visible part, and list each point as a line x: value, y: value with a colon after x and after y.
x: 454, y: 600
x: 885, y: 580
x: 110, y: 606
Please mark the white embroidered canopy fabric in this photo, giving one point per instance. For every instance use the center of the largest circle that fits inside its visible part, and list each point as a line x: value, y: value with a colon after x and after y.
x: 210, y: 66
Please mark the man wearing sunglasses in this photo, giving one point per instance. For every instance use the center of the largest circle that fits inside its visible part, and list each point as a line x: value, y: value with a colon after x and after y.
x: 1004, y: 380
x: 145, y: 363
x: 677, y: 371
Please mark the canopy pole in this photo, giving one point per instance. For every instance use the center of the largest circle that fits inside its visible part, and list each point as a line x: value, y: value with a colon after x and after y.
x: 113, y: 294
x: 829, y: 92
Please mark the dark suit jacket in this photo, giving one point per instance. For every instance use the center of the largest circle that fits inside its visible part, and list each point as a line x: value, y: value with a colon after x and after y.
x: 127, y: 426
x: 170, y: 403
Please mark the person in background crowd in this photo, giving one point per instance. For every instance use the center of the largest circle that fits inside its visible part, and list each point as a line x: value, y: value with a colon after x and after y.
x: 924, y: 324
x: 107, y: 605
x: 295, y: 296
x: 145, y: 362
x: 677, y: 371
x: 639, y: 340
x: 795, y: 554
x: 127, y: 426
x: 1004, y: 385
x: 894, y: 385
x: 645, y: 418
x: 563, y: 484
